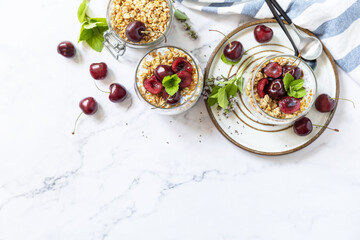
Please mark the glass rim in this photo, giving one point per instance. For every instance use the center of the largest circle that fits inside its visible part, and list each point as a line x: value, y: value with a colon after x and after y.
x: 268, y: 58
x: 149, y: 44
x: 198, y: 70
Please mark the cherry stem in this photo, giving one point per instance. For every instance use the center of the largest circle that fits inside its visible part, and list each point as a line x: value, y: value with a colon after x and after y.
x: 77, y: 119
x: 297, y: 58
x: 211, y: 30
x: 99, y: 88
x: 345, y: 100
x: 147, y: 32
x: 333, y: 129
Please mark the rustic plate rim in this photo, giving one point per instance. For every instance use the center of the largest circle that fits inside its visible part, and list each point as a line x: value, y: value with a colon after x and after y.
x: 209, y: 63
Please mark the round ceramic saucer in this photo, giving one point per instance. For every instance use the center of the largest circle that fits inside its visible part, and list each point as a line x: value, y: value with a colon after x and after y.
x: 241, y: 127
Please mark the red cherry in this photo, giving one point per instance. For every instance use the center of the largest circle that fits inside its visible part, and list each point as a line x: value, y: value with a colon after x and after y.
x: 263, y: 34
x: 186, y: 79
x: 153, y: 85
x: 98, y: 70
x: 262, y: 84
x: 135, y: 31
x: 180, y: 64
x: 66, y: 49
x: 174, y: 99
x: 162, y: 71
x: 303, y: 126
x: 234, y: 51
x: 289, y: 105
x: 88, y: 105
x: 276, y: 89
x: 273, y: 70
x: 117, y: 93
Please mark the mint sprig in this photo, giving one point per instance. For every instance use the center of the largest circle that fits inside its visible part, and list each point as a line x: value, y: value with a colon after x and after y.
x: 92, y: 29
x: 171, y: 84
x: 294, y: 88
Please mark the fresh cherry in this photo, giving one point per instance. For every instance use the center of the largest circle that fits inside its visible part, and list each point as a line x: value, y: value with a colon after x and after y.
x: 153, y: 85
x: 324, y: 103
x: 180, y: 64
x: 263, y: 34
x: 276, y: 89
x: 234, y: 51
x: 66, y: 49
x: 186, y: 79
x: 293, y: 70
x: 162, y: 71
x: 262, y: 87
x: 117, y: 93
x: 98, y: 70
x: 88, y: 106
x: 303, y: 126
x: 135, y: 31
x: 273, y: 70
x: 174, y: 99
x: 289, y: 105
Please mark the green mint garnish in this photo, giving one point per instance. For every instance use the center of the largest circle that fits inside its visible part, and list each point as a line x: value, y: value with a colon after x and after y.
x: 227, y: 61
x: 92, y: 29
x: 171, y: 84
x: 180, y: 15
x: 294, y: 88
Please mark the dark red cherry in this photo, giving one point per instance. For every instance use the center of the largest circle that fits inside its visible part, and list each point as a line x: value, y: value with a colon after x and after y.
x: 263, y: 34
x: 303, y: 126
x: 289, y: 105
x: 174, y: 99
x: 186, y: 79
x: 233, y: 51
x: 276, y: 89
x: 134, y: 31
x: 324, y: 103
x: 117, y: 93
x: 66, y: 49
x: 273, y: 70
x: 162, y: 71
x: 294, y: 71
x: 88, y: 105
x: 262, y: 87
x: 180, y: 64
x: 98, y: 70
x: 153, y: 85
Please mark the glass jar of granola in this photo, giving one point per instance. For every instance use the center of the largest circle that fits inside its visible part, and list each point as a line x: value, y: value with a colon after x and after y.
x: 280, y: 89
x: 157, y: 16
x: 179, y: 62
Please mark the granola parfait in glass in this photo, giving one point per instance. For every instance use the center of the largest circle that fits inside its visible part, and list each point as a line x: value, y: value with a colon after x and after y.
x: 168, y: 80
x: 280, y: 89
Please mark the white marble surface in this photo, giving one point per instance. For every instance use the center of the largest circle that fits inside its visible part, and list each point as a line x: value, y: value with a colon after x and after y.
x: 130, y: 174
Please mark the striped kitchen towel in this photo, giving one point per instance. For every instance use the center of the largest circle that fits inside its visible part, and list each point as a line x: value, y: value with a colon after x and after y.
x: 335, y: 22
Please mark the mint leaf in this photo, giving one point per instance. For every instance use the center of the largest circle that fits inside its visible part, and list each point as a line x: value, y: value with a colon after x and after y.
x: 88, y: 25
x: 179, y: 15
x: 227, y: 61
x: 171, y: 84
x: 96, y: 41
x: 297, y: 84
x: 82, y: 11
x: 231, y: 89
x: 223, y: 98
x: 85, y: 34
x: 298, y: 94
x: 240, y: 84
x: 288, y: 78
x: 100, y: 22
x: 211, y: 101
x: 214, y: 92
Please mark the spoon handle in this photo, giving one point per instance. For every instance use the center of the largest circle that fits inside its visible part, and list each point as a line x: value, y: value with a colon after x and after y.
x: 282, y: 25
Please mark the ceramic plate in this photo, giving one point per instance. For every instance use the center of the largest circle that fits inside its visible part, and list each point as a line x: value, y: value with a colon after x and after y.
x: 242, y: 128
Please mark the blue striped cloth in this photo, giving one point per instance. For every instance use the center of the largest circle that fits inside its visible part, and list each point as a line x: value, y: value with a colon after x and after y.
x: 335, y: 22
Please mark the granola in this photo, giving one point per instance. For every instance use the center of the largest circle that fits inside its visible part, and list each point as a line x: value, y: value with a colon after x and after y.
x: 155, y: 14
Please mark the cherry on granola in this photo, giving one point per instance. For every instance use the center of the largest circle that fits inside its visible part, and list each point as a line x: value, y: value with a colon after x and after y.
x: 273, y: 70
x: 162, y: 71
x: 180, y: 64
x: 276, y: 89
x: 174, y: 99
x: 293, y: 70
x: 186, y: 79
x: 289, y: 105
x: 135, y: 31
x: 262, y: 86
x: 153, y: 85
